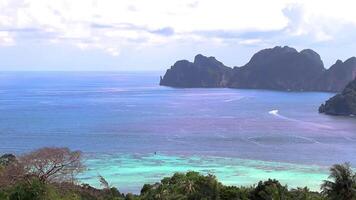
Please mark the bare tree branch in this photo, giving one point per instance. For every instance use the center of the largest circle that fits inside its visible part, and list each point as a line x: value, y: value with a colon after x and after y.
x: 53, y: 164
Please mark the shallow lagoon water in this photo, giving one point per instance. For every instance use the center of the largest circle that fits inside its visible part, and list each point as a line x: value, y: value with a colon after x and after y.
x: 129, y: 171
x: 119, y: 120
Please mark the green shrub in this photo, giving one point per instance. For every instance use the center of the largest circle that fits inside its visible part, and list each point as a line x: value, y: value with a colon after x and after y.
x: 33, y: 190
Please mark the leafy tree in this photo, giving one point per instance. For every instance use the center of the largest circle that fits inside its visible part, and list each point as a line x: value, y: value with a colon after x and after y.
x: 304, y: 194
x: 130, y: 196
x: 234, y: 193
x: 191, y: 185
x: 269, y: 190
x: 342, y: 184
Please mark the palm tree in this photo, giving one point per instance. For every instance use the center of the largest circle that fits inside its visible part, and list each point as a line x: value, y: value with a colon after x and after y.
x: 343, y: 183
x: 103, y: 182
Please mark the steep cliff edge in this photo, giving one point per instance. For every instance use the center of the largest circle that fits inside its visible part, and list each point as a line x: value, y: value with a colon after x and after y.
x: 203, y: 72
x: 343, y: 103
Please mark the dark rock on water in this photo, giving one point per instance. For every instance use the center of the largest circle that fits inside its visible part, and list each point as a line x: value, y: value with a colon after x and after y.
x: 203, y: 72
x: 278, y: 68
x: 343, y: 103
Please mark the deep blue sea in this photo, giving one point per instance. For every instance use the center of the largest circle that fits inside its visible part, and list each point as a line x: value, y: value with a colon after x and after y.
x: 133, y: 131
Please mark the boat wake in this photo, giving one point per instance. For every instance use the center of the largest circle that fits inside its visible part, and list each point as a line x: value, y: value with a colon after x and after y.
x: 233, y: 99
x: 273, y: 112
x: 275, y: 139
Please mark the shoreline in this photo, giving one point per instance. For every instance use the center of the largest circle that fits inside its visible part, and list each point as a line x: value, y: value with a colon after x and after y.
x: 130, y: 172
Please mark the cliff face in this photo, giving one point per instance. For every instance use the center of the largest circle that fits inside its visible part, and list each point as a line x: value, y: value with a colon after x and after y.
x: 203, y: 72
x: 343, y: 103
x: 278, y: 68
x: 337, y: 76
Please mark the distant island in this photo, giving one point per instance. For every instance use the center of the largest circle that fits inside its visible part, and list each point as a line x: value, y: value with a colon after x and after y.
x: 343, y: 103
x: 278, y: 68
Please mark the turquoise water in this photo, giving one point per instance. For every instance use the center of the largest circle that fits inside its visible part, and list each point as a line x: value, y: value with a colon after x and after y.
x: 119, y: 121
x: 129, y: 171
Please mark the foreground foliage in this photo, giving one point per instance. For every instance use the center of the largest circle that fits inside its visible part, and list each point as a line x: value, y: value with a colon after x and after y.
x: 51, y: 177
x: 343, y: 184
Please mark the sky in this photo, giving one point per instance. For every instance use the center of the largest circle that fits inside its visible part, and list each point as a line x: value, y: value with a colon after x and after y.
x: 150, y: 35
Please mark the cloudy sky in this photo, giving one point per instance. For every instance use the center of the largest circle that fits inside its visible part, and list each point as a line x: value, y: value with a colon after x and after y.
x: 147, y: 35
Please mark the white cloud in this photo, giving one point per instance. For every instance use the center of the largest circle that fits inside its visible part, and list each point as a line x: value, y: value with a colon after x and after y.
x: 113, y: 25
x: 321, y: 19
x: 250, y: 41
x: 6, y: 39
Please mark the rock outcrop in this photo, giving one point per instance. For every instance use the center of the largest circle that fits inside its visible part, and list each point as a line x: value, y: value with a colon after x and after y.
x: 343, y: 103
x: 278, y: 68
x: 203, y: 72
x: 337, y: 76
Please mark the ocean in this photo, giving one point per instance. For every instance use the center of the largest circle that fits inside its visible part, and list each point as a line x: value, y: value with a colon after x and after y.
x: 133, y: 131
